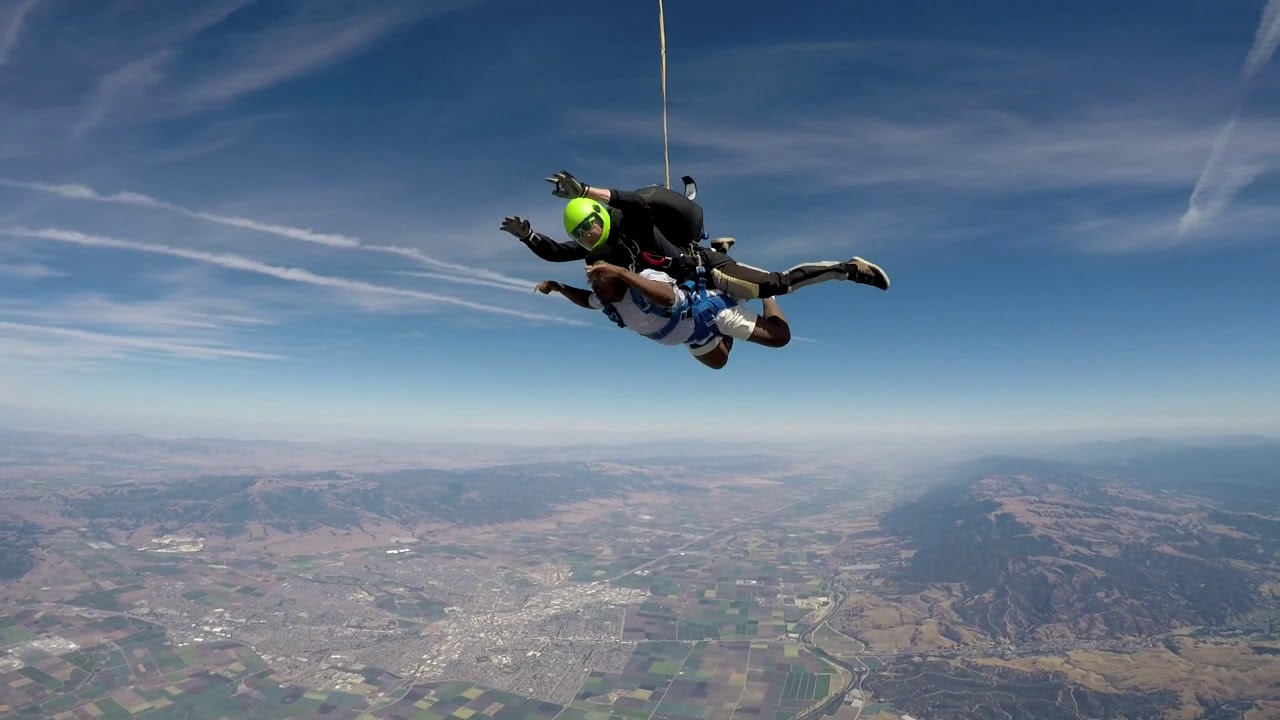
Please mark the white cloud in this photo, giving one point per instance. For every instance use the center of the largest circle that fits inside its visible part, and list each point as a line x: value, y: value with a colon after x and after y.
x: 169, y: 313
x: 1154, y: 230
x: 81, y: 192
x: 956, y: 148
x: 30, y: 271
x: 81, y: 330
x: 1265, y: 41
x: 210, y: 138
x: 1221, y: 180
x: 98, y: 340
x: 11, y: 26
x: 236, y: 262
x: 317, y: 33
x: 128, y: 80
x: 968, y: 151
x: 120, y: 86
x: 118, y: 61
x: 312, y: 35
x: 462, y: 279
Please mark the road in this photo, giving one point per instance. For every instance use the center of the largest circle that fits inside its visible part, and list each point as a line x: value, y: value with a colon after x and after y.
x: 701, y: 538
x: 855, y: 676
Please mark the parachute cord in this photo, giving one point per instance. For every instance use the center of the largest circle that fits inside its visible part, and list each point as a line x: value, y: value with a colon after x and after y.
x: 666, y: 153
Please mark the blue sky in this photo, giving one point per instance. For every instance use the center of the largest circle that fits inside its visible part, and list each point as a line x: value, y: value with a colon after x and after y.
x: 280, y: 219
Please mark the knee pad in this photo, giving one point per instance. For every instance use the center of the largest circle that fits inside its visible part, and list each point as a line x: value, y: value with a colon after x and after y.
x: 734, y: 287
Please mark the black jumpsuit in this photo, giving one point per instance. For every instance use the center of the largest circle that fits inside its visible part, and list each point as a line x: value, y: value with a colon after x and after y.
x: 654, y: 227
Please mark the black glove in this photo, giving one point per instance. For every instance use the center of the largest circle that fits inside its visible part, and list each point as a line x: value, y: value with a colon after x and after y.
x: 518, y: 227
x: 567, y: 186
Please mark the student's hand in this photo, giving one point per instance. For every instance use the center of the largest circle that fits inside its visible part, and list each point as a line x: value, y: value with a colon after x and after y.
x: 546, y: 287
x: 604, y: 270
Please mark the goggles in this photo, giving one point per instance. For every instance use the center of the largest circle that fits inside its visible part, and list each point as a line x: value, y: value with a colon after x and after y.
x: 581, y: 229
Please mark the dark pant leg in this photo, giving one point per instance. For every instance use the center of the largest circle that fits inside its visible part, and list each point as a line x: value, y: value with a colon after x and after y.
x: 746, y: 282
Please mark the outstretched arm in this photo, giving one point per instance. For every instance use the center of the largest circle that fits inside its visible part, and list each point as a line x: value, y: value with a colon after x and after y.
x: 577, y: 296
x: 569, y: 187
x: 552, y: 251
x: 541, y: 245
x: 630, y: 202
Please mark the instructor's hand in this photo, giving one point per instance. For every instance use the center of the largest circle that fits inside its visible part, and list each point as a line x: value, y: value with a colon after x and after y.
x: 546, y: 287
x: 517, y: 226
x: 567, y: 186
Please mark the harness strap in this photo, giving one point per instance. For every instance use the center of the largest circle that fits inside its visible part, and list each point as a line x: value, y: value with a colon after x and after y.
x: 699, y: 305
x: 697, y: 295
x: 613, y: 314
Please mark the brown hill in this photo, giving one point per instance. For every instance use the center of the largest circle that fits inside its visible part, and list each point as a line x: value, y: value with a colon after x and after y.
x: 339, y: 500
x: 1051, y: 552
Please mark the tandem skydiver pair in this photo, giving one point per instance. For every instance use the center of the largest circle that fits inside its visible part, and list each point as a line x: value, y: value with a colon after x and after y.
x: 649, y: 272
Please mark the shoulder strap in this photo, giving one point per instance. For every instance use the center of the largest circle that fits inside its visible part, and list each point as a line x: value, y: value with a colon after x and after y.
x: 612, y: 312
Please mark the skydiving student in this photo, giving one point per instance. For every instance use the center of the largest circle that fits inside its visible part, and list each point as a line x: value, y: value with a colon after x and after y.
x: 653, y: 228
x: 653, y: 304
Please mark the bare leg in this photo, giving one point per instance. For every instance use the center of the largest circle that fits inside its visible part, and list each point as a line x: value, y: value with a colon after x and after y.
x: 771, y: 329
x: 718, y: 358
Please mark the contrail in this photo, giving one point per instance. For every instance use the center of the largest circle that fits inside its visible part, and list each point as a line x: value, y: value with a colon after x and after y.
x: 455, y: 279
x: 82, y: 192
x: 1219, y: 183
x: 12, y: 29
x: 205, y: 352
x: 236, y: 262
x: 1265, y: 41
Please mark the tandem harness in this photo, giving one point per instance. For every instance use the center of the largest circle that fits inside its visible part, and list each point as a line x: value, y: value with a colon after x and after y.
x: 700, y: 306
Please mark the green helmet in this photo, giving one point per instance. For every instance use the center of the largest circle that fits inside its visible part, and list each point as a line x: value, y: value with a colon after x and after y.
x: 580, y: 214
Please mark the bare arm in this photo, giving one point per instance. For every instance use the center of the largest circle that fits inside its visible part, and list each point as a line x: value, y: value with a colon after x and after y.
x: 575, y: 295
x: 656, y: 291
x: 603, y: 195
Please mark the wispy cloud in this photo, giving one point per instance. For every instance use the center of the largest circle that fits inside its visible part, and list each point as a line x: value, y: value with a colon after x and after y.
x: 114, y: 61
x: 81, y: 192
x: 1265, y: 40
x: 944, y: 136
x: 119, y: 86
x: 926, y: 147
x: 1221, y: 178
x: 236, y: 262
x: 125, y: 342
x: 84, y: 329
x: 174, y: 312
x: 306, y: 37
x: 1153, y: 229
x: 462, y: 279
x: 30, y: 271
x: 1219, y: 182
x: 209, y: 138
x: 315, y: 34
x: 129, y: 80
x: 970, y: 150
x: 11, y: 26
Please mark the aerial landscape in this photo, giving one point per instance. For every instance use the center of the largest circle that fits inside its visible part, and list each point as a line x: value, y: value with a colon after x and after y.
x: 1018, y: 587
x: 716, y: 360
